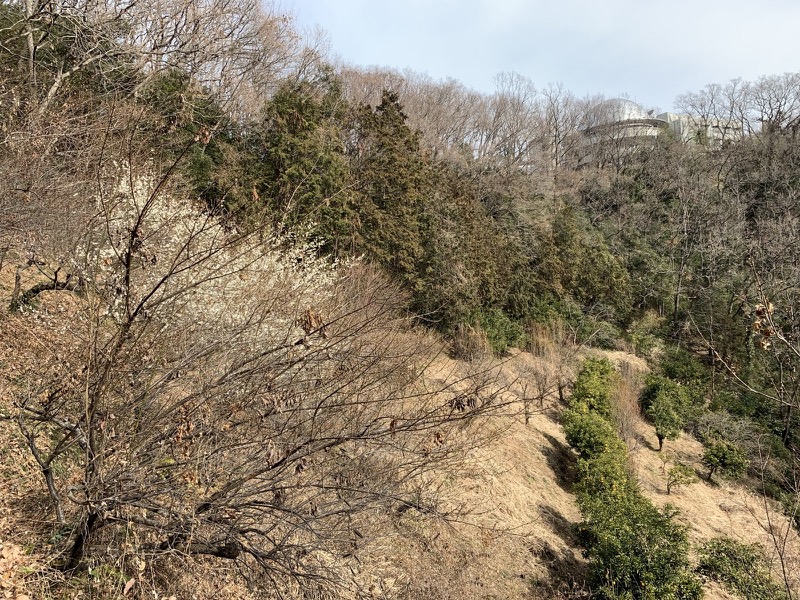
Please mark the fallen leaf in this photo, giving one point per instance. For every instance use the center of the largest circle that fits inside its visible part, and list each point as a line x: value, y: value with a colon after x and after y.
x: 128, y: 586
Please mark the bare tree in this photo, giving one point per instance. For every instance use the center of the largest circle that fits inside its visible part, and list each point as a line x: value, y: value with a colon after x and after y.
x: 442, y: 111
x: 781, y: 529
x: 745, y: 108
x: 209, y: 395
x: 222, y: 45
x: 513, y: 110
x: 562, y: 117
x: 720, y: 109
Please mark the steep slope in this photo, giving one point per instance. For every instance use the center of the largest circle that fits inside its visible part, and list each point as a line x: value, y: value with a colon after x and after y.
x: 511, y: 537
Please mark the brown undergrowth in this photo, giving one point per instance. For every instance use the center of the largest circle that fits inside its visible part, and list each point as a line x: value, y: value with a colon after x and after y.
x: 507, y: 531
x: 511, y: 529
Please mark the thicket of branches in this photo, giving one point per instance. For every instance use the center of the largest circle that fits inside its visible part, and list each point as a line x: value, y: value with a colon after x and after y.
x: 210, y: 383
x: 212, y: 395
x: 211, y: 334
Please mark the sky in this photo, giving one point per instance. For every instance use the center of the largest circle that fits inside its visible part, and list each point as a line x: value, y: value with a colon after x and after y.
x: 648, y: 51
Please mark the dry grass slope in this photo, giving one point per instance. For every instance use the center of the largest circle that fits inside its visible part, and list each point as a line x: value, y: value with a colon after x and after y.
x: 513, y: 540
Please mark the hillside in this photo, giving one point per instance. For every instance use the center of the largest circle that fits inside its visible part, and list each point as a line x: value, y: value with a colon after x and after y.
x: 274, y: 326
x: 513, y: 537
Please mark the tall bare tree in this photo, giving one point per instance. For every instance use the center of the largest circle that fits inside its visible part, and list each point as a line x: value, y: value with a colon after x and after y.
x: 221, y: 44
x: 210, y: 396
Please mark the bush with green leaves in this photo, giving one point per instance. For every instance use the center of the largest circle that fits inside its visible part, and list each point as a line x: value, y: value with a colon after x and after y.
x: 680, y: 474
x: 605, y: 475
x: 637, y: 551
x: 666, y: 418
x: 742, y: 568
x: 737, y: 402
x: 644, y: 333
x: 594, y: 386
x: 586, y: 329
x: 501, y: 331
x: 725, y: 458
x: 666, y: 405
x: 683, y: 366
x: 590, y: 434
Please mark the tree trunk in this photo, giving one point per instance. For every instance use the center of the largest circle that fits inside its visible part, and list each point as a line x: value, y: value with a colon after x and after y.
x: 77, y: 552
x: 30, y: 10
x: 787, y: 425
x: 17, y: 287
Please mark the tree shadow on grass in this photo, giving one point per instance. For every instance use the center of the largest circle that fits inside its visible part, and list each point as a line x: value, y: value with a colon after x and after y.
x: 559, y: 524
x: 645, y: 441
x: 554, y: 414
x: 566, y: 574
x: 562, y: 461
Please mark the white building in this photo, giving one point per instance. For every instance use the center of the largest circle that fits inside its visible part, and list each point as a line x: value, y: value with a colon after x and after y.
x: 619, y: 126
x: 706, y: 131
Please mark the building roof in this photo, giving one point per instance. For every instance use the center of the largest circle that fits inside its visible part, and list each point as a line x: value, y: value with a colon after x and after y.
x: 619, y: 110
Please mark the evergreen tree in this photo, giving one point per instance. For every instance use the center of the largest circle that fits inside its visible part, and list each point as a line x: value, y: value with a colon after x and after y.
x: 726, y: 458
x: 666, y: 404
x: 298, y: 158
x: 392, y: 179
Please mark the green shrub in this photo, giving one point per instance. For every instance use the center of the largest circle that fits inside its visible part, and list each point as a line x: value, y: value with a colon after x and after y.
x: 726, y: 458
x: 683, y: 366
x: 501, y: 332
x: 736, y: 403
x: 599, y: 333
x: 586, y: 329
x: 680, y: 474
x: 636, y: 550
x: 666, y: 405
x: 742, y: 568
x: 605, y: 475
x: 594, y: 386
x: 590, y: 434
x: 643, y: 333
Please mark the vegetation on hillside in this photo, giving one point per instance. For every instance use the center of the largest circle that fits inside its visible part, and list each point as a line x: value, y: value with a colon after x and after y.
x: 636, y: 551
x: 252, y: 241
